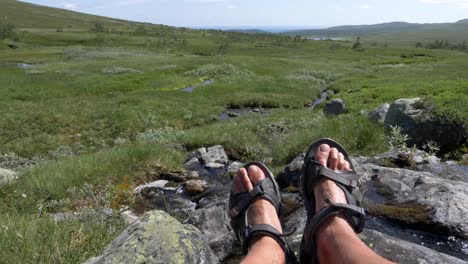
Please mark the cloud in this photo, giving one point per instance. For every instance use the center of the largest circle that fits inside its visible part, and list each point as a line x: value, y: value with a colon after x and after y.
x: 70, y: 6
x: 365, y: 6
x: 231, y: 6
x: 461, y: 3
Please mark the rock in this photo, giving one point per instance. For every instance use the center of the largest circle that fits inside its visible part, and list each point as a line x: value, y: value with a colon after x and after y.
x: 420, y: 198
x: 418, y: 121
x: 233, y: 169
x: 157, y: 238
x: 179, y: 176
x: 129, y: 217
x: 378, y: 114
x: 387, y: 246
x: 335, y: 107
x: 401, y: 251
x: 153, y: 185
x: 7, y: 177
x: 233, y: 114
x: 290, y: 175
x: 214, y: 165
x: 119, y: 70
x: 195, y: 187
x: 212, y: 220
x: 192, y: 162
x: 60, y: 217
x: 215, y: 154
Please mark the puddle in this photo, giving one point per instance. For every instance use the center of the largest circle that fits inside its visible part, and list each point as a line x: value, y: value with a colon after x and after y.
x: 212, y: 175
x: 191, y: 88
x: 323, y: 97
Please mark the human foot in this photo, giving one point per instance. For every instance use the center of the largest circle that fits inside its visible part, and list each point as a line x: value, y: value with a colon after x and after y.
x: 254, y: 204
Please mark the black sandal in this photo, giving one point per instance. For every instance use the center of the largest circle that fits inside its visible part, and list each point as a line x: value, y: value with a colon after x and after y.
x: 312, y: 171
x: 240, y: 203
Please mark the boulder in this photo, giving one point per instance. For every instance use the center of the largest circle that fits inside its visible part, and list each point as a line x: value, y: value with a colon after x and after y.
x: 417, y: 119
x: 157, y: 238
x: 215, y: 154
x: 7, y: 177
x: 378, y: 114
x: 213, y: 165
x: 387, y: 246
x: 233, y: 168
x: 290, y: 175
x: 195, y: 187
x: 420, y: 198
x: 335, y: 107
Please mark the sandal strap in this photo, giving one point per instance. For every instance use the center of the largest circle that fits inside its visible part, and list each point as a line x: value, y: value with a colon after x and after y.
x: 262, y: 190
x: 347, y: 178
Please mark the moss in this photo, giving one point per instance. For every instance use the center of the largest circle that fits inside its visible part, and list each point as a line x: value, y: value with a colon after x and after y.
x: 410, y: 213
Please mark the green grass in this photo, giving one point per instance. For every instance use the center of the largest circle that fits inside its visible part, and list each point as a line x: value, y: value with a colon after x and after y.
x: 119, y: 126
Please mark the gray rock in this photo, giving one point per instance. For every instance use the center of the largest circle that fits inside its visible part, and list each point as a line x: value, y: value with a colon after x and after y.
x: 233, y: 114
x: 233, y: 168
x: 335, y: 107
x: 214, y: 165
x: 418, y: 121
x: 119, y: 70
x: 129, y: 217
x: 192, y: 162
x: 157, y: 238
x: 387, y: 246
x: 7, y: 177
x: 212, y: 220
x: 215, y: 154
x: 378, y: 114
x: 445, y: 200
x: 290, y: 175
x: 195, y: 187
x: 153, y: 185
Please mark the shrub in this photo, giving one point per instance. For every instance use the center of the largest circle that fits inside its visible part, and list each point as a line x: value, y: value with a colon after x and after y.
x: 7, y: 30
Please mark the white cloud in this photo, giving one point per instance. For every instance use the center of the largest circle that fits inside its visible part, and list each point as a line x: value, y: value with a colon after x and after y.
x: 70, y: 6
x: 461, y: 3
x: 231, y: 7
x: 366, y: 6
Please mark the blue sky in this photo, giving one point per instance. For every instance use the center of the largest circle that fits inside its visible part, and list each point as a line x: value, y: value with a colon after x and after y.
x: 269, y: 13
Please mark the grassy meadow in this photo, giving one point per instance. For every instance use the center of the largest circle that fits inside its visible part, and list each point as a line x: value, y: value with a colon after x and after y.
x: 100, y: 129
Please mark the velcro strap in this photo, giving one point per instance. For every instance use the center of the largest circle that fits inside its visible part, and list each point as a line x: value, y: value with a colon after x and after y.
x: 246, y: 199
x: 345, y: 178
x: 264, y: 229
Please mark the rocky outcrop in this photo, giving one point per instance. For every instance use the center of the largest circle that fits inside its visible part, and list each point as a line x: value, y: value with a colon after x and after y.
x: 7, y: 177
x: 335, y: 107
x: 157, y: 238
x: 379, y: 114
x: 211, y: 155
x: 421, y: 198
x: 418, y: 120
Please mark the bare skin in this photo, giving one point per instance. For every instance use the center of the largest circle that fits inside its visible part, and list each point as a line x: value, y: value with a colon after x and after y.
x: 337, y: 242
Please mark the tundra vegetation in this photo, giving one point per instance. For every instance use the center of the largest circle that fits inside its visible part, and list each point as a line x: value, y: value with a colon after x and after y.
x: 98, y: 102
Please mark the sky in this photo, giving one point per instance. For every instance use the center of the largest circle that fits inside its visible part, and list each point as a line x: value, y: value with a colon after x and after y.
x: 269, y: 13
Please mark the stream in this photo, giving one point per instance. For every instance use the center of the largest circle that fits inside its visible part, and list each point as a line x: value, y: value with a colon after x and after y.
x: 190, y: 89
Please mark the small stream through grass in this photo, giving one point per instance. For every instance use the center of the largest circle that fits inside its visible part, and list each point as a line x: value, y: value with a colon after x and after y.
x: 190, y: 89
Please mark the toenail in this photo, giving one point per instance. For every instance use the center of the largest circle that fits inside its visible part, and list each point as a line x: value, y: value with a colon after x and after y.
x: 253, y: 169
x: 324, y: 148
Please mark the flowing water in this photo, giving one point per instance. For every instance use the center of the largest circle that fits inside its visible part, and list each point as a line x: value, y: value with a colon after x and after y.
x: 191, y: 88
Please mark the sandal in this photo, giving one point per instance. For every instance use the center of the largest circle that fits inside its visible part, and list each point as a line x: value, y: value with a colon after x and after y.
x: 239, y: 204
x: 312, y: 171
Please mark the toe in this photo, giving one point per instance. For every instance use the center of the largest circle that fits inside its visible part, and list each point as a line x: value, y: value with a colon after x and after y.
x: 321, y: 156
x: 241, y: 182
x: 255, y: 174
x: 333, y: 159
x: 341, y: 161
x: 245, y: 181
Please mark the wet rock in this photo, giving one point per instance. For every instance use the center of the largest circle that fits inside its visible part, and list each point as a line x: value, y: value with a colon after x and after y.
x: 401, y: 251
x: 7, y: 177
x: 195, y: 187
x: 417, y: 119
x: 290, y: 175
x: 421, y: 198
x: 213, y: 221
x: 233, y: 169
x: 179, y: 176
x: 335, y: 107
x: 192, y: 162
x: 378, y: 114
x: 157, y: 238
x: 214, y: 165
x: 387, y: 246
x: 233, y: 114
x: 119, y: 70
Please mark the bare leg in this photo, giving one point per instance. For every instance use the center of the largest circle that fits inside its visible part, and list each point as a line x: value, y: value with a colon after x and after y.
x: 336, y: 240
x: 264, y: 249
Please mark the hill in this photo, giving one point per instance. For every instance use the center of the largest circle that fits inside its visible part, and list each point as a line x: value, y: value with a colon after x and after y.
x: 396, y: 32
x: 26, y: 15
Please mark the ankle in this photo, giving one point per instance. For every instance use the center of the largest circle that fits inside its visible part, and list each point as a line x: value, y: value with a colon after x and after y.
x: 269, y: 246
